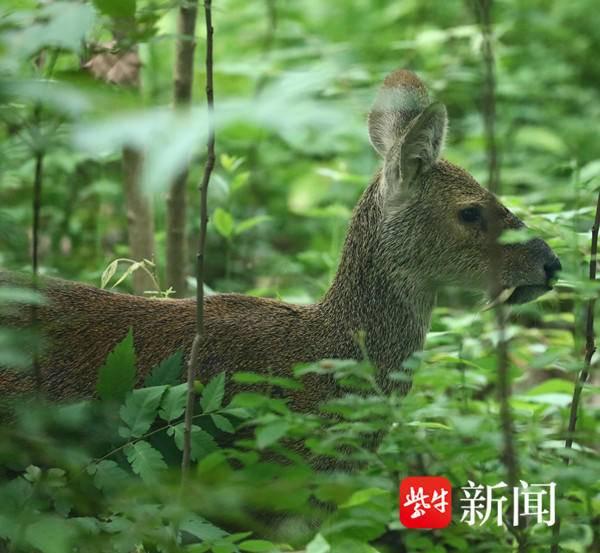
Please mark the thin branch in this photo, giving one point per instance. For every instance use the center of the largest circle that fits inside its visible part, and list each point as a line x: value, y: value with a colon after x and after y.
x: 590, y: 348
x: 483, y: 10
x: 590, y: 343
x: 36, y: 208
x: 144, y: 437
x: 210, y: 163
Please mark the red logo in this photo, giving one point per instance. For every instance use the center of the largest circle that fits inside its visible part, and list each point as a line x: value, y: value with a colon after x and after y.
x: 425, y: 502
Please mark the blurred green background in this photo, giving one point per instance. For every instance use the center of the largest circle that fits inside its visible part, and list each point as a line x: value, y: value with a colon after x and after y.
x: 294, y: 81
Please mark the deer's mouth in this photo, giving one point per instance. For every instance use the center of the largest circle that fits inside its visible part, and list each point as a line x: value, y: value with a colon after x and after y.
x: 519, y: 294
x: 523, y: 294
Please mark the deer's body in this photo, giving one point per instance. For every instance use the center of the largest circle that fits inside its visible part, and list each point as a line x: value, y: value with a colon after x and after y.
x: 82, y: 324
x: 420, y: 223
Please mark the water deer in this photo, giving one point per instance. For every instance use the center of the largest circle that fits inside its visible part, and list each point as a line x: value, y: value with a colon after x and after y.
x: 421, y: 223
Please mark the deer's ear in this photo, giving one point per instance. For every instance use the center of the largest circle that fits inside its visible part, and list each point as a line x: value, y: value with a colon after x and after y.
x: 401, y: 98
x: 423, y: 143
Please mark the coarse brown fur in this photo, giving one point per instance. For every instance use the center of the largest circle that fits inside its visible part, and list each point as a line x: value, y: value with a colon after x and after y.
x: 406, y: 238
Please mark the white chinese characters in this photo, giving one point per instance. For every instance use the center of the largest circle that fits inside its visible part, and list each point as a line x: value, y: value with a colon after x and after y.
x: 480, y: 503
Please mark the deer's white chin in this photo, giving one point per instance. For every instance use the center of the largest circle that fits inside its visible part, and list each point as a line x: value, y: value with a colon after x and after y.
x: 523, y: 294
x: 518, y: 294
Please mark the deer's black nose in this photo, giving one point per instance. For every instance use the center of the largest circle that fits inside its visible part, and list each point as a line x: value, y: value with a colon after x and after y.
x: 552, y: 267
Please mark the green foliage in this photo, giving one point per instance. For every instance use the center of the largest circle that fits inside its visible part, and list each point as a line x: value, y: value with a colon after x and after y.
x: 116, y: 377
x: 146, y: 461
x: 139, y: 411
x: 167, y: 371
x: 212, y: 396
x: 292, y: 90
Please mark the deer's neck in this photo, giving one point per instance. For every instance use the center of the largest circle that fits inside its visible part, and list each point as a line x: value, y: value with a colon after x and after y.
x: 392, y: 308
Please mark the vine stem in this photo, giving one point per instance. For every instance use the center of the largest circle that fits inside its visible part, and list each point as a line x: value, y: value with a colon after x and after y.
x: 590, y: 348
x: 208, y: 168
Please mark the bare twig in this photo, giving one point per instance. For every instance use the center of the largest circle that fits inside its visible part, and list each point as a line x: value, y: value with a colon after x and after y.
x: 590, y: 348
x: 272, y: 21
x: 484, y: 13
x: 483, y: 10
x: 210, y: 163
x: 590, y: 343
x: 36, y: 208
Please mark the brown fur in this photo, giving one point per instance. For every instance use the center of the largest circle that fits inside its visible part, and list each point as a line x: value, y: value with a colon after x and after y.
x: 405, y: 239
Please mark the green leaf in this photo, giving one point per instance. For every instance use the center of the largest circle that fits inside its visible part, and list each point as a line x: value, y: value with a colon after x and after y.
x: 173, y: 403
x: 250, y: 223
x: 212, y: 396
x: 239, y: 180
x: 359, y: 546
x: 108, y: 475
x: 51, y: 535
x: 256, y: 378
x: 119, y: 9
x: 516, y: 236
x: 108, y: 273
x: 202, y: 442
x: 257, y: 546
x: 222, y: 423
x: 556, y: 399
x: 201, y: 528
x: 590, y: 170
x: 64, y: 25
x: 270, y: 433
x: 146, y: 461
x: 363, y: 496
x: 139, y: 411
x: 553, y: 385
x: 168, y: 371
x: 224, y: 547
x: 540, y: 138
x: 117, y: 376
x: 318, y: 545
x: 223, y: 221
x: 238, y: 412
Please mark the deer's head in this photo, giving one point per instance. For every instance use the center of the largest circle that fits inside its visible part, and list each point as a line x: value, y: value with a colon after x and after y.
x: 439, y: 224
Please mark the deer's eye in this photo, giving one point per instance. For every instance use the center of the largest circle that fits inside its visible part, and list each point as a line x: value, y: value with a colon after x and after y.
x: 470, y: 215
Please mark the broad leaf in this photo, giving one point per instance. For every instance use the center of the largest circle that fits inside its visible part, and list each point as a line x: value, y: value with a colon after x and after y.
x: 222, y: 423
x: 201, y: 528
x: 318, y: 545
x: 202, y: 442
x: 212, y: 396
x: 173, y: 403
x: 50, y: 534
x: 139, y: 411
x: 257, y: 546
x: 117, y: 376
x: 168, y: 371
x: 270, y: 433
x: 248, y: 224
x: 146, y: 461
x: 121, y: 9
x: 108, y: 475
x: 223, y: 222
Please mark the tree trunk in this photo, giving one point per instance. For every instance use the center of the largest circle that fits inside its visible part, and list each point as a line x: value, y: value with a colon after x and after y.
x: 122, y: 68
x: 140, y: 219
x: 176, y: 199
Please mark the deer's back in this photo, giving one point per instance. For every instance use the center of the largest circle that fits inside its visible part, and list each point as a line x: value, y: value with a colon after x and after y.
x: 82, y: 324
